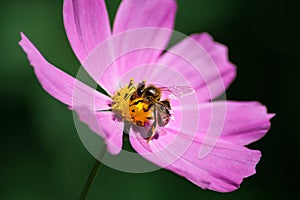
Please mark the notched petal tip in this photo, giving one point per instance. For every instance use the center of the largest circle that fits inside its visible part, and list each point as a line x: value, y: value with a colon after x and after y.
x: 22, y: 36
x: 202, y: 36
x: 23, y: 41
x: 133, y: 14
x: 86, y: 24
x: 271, y: 115
x: 213, y: 47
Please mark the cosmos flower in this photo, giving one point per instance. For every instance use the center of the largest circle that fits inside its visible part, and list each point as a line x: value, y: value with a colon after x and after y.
x: 199, y: 139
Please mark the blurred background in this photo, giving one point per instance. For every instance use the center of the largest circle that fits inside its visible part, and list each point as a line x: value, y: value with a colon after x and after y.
x: 42, y: 156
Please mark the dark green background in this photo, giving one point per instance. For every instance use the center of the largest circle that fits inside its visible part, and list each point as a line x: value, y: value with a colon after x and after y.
x: 42, y: 156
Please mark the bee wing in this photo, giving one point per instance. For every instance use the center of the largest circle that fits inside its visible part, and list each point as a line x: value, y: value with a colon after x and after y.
x: 162, y: 113
x: 178, y: 91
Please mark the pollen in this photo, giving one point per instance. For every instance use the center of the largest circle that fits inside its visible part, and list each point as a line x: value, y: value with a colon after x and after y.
x: 136, y: 110
x: 120, y: 101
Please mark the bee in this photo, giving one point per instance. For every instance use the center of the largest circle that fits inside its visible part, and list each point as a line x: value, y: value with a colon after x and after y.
x: 145, y: 104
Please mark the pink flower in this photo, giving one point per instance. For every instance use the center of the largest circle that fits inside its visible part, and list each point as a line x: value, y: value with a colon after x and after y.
x: 203, y: 141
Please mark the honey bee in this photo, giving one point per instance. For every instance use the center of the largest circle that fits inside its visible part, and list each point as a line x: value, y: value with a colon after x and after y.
x: 145, y: 104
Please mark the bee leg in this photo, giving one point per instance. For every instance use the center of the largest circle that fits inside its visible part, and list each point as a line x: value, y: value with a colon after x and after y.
x: 131, y: 82
x: 151, y: 132
x: 166, y: 102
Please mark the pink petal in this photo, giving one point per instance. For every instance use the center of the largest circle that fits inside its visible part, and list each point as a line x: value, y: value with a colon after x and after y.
x: 210, y: 72
x: 125, y: 52
x: 225, y: 161
x: 83, y: 99
x: 60, y: 85
x: 103, y: 124
x: 139, y: 14
x: 141, y: 33
x: 222, y: 170
x: 87, y: 25
x: 243, y: 122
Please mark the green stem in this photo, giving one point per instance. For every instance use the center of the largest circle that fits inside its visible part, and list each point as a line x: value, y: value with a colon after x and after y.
x: 92, y: 175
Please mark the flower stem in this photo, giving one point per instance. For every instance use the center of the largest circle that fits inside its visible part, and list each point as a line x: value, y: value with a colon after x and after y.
x: 97, y: 165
